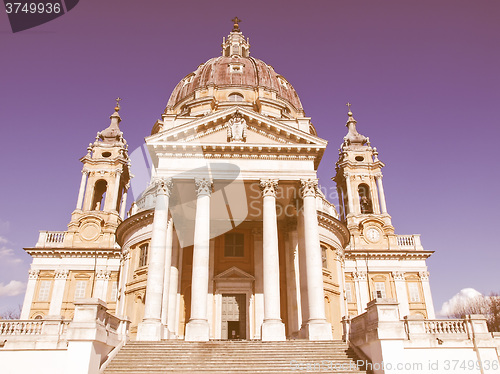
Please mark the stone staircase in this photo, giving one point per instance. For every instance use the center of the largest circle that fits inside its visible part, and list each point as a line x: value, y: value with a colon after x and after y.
x: 293, y: 356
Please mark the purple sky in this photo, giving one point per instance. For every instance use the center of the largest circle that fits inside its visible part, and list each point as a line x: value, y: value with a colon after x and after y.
x: 422, y: 76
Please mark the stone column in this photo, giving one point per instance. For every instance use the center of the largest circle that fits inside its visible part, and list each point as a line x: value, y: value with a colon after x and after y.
x: 210, y: 295
x: 349, y: 193
x: 116, y: 191
x: 316, y: 328
x: 401, y: 293
x: 82, y: 190
x: 362, y: 295
x: 374, y: 197
x: 273, y: 328
x: 172, y: 293
x: 198, y: 329
x: 426, y: 288
x: 150, y: 329
x: 292, y: 279
x: 29, y: 294
x: 124, y: 202
x: 166, y: 277
x: 259, y: 284
x: 120, y: 308
x: 56, y: 300
x: 101, y: 284
x: 383, y: 206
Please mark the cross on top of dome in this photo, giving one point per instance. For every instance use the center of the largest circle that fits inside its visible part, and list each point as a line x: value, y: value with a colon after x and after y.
x: 235, y: 44
x: 236, y: 26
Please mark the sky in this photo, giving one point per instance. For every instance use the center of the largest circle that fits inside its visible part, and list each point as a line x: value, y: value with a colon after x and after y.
x: 422, y: 77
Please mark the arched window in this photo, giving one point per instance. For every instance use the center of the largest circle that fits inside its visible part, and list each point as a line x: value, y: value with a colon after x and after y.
x: 235, y: 97
x: 365, y: 202
x: 100, y: 188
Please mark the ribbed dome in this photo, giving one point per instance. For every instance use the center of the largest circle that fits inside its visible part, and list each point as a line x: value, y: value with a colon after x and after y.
x: 237, y: 72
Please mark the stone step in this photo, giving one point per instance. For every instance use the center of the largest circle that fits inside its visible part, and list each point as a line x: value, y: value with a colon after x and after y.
x: 234, y: 357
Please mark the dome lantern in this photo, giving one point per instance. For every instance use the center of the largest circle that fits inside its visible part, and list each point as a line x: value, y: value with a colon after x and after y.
x: 235, y: 45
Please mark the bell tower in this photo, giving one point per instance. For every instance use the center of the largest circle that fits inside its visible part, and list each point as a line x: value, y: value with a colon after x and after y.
x: 361, y: 193
x: 103, y: 189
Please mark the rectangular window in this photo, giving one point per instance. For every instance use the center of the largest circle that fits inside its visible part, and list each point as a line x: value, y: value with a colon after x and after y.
x: 323, y: 257
x: 348, y: 293
x: 114, y: 291
x: 143, y: 255
x: 81, y: 287
x: 234, y: 245
x: 44, y: 291
x: 414, y: 292
x: 379, y: 292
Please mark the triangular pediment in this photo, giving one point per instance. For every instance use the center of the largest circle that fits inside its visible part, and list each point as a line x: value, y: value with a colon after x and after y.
x: 213, y: 130
x: 234, y: 273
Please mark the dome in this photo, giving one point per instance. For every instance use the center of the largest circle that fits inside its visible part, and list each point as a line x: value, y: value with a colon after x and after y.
x: 235, y: 76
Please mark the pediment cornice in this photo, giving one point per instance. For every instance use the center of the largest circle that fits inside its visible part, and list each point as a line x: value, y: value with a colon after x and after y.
x: 268, y: 127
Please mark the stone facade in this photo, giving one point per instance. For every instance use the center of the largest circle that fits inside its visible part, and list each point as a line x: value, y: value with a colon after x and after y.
x: 232, y: 239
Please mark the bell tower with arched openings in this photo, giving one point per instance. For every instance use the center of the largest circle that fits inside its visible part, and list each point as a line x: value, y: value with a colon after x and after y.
x: 368, y: 273
x: 361, y: 193
x: 103, y: 189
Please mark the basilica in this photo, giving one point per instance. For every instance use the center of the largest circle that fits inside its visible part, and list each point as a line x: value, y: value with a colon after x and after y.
x: 232, y: 239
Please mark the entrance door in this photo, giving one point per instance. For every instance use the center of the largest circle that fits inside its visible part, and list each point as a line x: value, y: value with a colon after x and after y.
x: 233, y: 316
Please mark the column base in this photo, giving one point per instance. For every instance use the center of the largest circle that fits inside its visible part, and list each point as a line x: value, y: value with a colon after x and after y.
x: 197, y: 331
x: 150, y: 331
x: 316, y: 330
x: 273, y: 331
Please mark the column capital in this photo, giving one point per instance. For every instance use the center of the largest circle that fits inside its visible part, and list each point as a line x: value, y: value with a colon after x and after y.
x: 61, y: 274
x: 268, y: 187
x: 308, y: 187
x: 33, y: 273
x: 424, y: 275
x: 359, y: 275
x: 204, y: 186
x: 163, y: 186
x: 85, y: 171
x: 103, y: 274
x: 398, y: 275
x: 378, y: 175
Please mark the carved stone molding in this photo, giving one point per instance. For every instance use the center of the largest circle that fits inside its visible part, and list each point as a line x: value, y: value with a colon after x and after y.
x: 33, y: 274
x: 103, y: 274
x: 424, y: 275
x: 308, y: 187
x: 359, y: 275
x: 163, y: 186
x: 237, y: 129
x: 398, y: 275
x: 61, y: 274
x: 268, y: 187
x: 204, y: 186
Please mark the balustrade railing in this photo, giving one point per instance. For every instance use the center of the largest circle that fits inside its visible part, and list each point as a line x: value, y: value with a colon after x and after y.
x: 325, y: 206
x: 445, y: 326
x: 31, y: 327
x: 51, y: 238
x: 409, y: 242
x: 16, y: 327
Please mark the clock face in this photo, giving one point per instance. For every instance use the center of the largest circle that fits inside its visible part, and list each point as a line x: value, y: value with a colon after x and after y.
x: 373, y: 235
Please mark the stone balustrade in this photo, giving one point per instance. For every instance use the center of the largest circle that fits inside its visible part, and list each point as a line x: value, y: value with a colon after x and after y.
x: 409, y: 242
x: 449, y: 326
x: 325, y: 206
x: 19, y: 327
x: 52, y: 239
x: 43, y: 334
x: 383, y: 337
